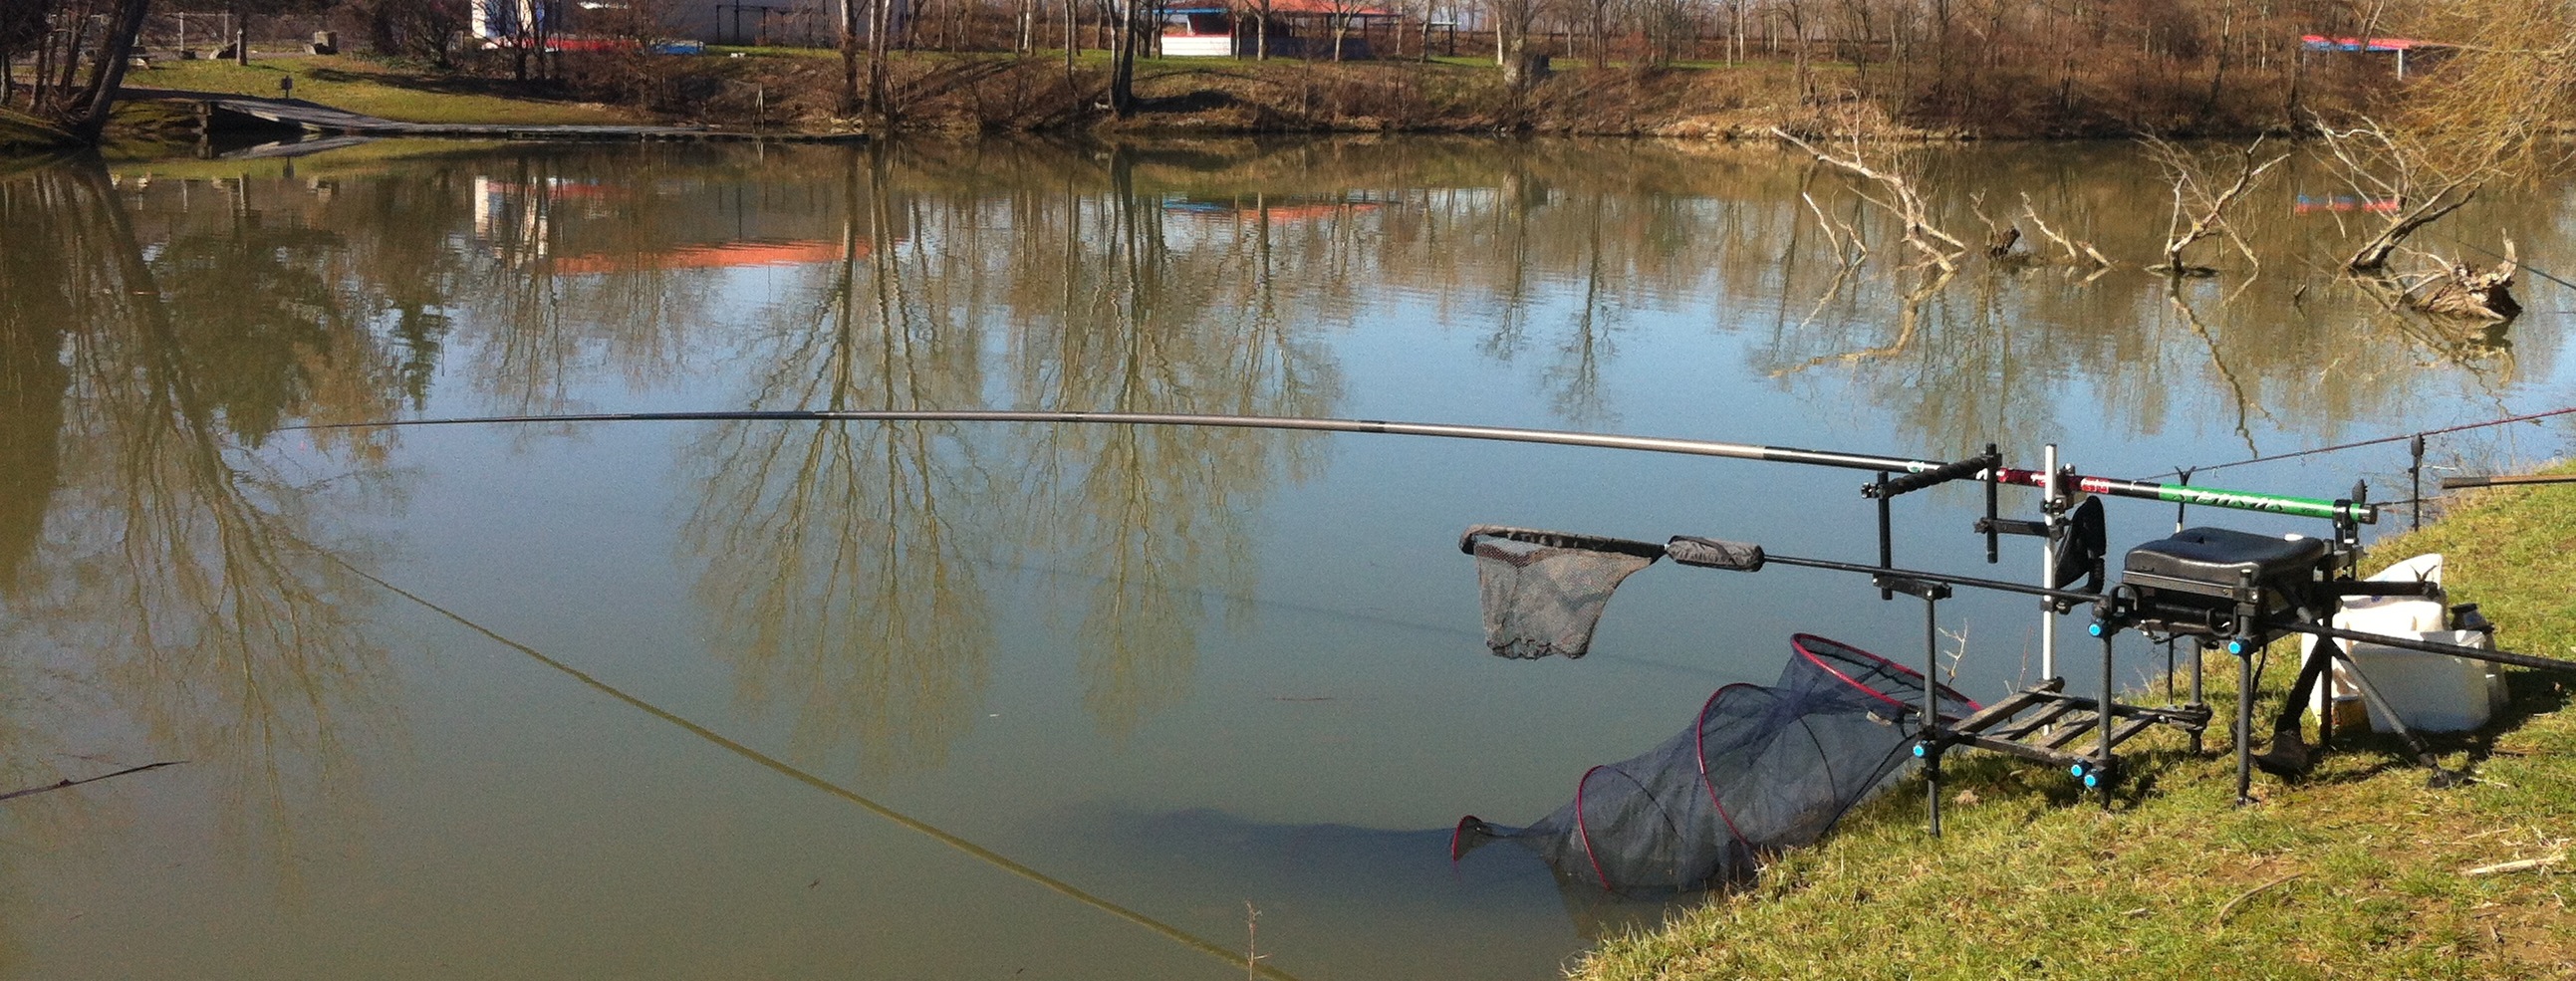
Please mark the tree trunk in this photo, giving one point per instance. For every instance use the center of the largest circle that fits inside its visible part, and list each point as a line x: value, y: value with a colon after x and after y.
x: 880, y: 87
x: 2373, y: 255
x: 850, y: 57
x: 89, y: 117
x: 1122, y: 69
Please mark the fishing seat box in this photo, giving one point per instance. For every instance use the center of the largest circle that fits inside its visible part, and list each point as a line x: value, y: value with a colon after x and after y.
x: 2192, y: 583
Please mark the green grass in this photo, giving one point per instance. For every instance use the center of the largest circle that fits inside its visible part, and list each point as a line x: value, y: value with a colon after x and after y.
x: 2353, y: 872
x: 24, y: 134
x: 362, y: 86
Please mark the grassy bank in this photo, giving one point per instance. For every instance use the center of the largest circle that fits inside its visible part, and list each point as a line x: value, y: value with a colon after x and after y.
x: 364, y: 86
x: 2354, y: 872
x: 798, y: 90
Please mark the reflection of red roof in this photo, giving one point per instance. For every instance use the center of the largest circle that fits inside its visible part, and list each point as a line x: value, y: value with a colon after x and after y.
x: 720, y: 255
x: 2344, y: 202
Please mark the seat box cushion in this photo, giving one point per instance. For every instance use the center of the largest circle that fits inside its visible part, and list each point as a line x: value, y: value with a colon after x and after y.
x: 2221, y: 557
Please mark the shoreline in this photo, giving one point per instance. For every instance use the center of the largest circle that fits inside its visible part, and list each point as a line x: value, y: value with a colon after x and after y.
x: 788, y: 97
x: 2357, y: 870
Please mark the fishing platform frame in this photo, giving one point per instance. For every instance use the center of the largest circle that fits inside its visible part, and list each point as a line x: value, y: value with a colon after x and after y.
x: 2223, y: 589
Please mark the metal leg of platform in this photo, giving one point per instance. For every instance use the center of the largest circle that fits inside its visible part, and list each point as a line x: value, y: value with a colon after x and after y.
x: 2198, y: 701
x: 2243, y: 649
x: 2105, y: 708
x: 1932, y: 709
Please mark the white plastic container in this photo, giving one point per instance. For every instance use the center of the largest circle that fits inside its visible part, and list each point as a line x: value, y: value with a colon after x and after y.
x: 2430, y: 692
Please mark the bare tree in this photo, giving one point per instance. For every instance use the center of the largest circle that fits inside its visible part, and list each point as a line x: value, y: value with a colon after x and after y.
x: 2383, y: 166
x: 81, y: 49
x: 1513, y: 20
x: 2198, y: 199
x: 1938, y: 247
x: 2506, y: 86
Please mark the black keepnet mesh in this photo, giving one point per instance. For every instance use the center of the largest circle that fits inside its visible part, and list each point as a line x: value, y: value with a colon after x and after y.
x: 1763, y: 768
x: 1543, y: 591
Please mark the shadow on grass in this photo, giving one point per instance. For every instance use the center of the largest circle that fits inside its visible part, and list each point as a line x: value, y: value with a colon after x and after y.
x: 2528, y: 694
x: 448, y: 84
x: 1201, y: 100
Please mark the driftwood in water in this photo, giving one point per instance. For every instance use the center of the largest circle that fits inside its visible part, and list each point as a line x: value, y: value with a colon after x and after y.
x: 2000, y: 245
x: 1938, y: 247
x: 2001, y: 237
x: 2382, y: 167
x: 2078, y: 252
x: 2467, y: 292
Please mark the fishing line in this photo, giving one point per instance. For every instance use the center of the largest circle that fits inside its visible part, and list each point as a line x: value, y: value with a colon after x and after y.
x: 979, y: 852
x: 2526, y: 267
x: 2533, y: 417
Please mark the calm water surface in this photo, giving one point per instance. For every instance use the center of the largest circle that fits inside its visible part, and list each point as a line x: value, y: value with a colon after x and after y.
x: 948, y: 701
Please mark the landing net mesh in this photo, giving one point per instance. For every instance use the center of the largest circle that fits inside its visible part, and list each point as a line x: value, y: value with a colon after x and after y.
x: 1763, y: 768
x: 1543, y: 591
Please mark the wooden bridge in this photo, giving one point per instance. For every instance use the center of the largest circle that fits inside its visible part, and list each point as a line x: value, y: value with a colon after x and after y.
x: 224, y: 111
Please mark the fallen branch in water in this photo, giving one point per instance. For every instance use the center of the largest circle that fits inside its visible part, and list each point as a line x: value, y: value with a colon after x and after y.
x: 58, y: 785
x: 2196, y: 193
x: 2457, y: 289
x: 2077, y: 252
x: 1938, y: 247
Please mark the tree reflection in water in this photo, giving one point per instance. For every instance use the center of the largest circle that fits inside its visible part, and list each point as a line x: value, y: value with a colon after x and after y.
x: 1161, y: 516
x: 848, y: 561
x: 179, y: 582
x: 845, y: 561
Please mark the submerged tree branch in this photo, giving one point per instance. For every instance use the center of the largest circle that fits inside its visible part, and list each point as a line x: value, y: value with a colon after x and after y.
x: 61, y: 784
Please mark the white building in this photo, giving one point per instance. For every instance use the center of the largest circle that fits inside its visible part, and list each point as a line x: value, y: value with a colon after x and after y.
x: 785, y: 22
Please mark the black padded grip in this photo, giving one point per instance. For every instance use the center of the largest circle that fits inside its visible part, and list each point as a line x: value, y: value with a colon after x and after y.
x: 1559, y: 539
x: 1909, y: 483
x: 1714, y: 554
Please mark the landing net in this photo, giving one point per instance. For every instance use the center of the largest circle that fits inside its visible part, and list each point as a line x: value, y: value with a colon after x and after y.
x: 1763, y: 768
x: 1543, y: 591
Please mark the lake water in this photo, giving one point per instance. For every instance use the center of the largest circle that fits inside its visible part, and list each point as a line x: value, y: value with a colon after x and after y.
x: 952, y: 700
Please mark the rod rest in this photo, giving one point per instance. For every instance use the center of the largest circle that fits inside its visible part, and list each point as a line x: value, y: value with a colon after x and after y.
x: 1945, y: 473
x: 2206, y: 582
x: 2009, y: 526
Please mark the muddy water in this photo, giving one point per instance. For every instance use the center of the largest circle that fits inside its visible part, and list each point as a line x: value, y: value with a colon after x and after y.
x: 762, y: 699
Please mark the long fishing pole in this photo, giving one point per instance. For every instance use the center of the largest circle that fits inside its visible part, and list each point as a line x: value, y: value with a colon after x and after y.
x: 2111, y: 487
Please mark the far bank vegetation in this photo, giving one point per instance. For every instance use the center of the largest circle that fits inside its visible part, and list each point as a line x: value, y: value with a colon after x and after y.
x: 1999, y: 68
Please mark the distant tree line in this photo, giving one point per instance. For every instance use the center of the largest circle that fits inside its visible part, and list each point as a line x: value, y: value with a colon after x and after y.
x: 2016, y: 65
